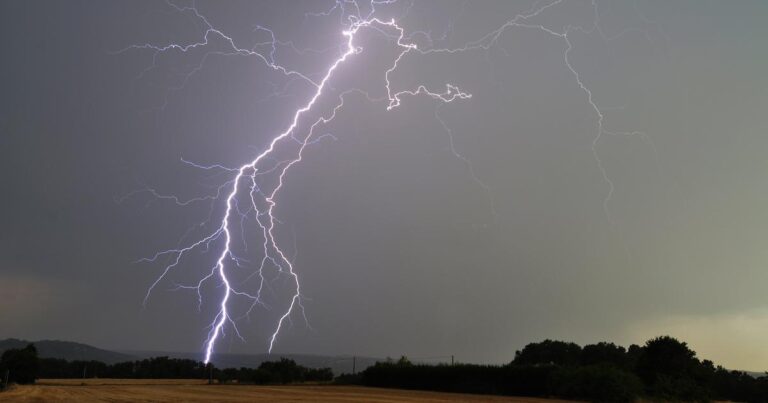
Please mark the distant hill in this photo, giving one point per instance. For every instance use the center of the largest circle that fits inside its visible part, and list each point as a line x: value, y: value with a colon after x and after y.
x: 68, y: 350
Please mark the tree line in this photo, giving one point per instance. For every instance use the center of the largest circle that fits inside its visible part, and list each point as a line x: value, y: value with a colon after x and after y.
x: 23, y: 366
x: 663, y: 369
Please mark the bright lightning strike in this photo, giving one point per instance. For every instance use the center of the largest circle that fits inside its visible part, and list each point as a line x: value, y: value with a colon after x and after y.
x: 249, y: 180
x: 263, y: 203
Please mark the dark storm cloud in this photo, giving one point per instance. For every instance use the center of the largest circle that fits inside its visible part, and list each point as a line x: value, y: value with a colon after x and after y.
x: 399, y: 248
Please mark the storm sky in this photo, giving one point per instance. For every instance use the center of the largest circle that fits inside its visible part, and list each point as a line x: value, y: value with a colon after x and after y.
x: 552, y: 230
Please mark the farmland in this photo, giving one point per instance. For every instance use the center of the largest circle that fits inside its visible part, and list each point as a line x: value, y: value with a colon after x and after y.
x: 160, y: 390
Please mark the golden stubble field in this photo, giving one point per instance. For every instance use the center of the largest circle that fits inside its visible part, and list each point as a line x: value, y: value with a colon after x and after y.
x: 193, y: 390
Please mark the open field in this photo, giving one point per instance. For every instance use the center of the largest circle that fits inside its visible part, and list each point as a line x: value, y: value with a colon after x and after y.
x: 162, y: 390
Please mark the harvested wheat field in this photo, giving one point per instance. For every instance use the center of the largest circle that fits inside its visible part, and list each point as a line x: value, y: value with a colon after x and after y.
x: 151, y: 390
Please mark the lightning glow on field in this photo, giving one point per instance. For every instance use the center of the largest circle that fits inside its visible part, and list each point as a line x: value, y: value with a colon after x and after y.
x: 249, y: 181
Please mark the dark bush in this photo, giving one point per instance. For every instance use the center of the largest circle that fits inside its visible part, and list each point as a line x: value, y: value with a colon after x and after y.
x: 601, y: 383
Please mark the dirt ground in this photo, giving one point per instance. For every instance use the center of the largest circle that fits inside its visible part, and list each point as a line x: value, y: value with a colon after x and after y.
x: 162, y: 390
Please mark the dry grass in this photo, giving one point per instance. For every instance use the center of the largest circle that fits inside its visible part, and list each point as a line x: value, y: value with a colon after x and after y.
x: 192, y: 390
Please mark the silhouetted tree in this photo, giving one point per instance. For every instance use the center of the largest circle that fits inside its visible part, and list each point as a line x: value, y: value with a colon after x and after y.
x: 549, y: 352
x: 606, y: 354
x: 665, y: 356
x: 22, y: 363
x: 283, y: 371
x: 633, y: 355
x: 671, y: 370
x: 404, y: 361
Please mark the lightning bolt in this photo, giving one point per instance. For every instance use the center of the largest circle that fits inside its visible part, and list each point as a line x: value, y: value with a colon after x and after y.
x: 245, y: 180
x: 251, y: 181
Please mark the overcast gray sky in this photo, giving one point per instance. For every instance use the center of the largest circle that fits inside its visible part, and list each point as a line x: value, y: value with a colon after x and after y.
x: 553, y: 230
